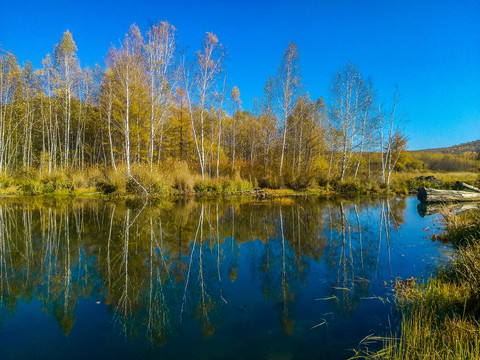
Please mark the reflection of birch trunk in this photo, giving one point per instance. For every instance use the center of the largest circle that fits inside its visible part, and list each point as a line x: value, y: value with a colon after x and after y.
x: 157, y: 310
x: 346, y: 262
x: 332, y: 226
x: 3, y: 257
x: 382, y: 211
x: 78, y: 216
x: 150, y: 292
x: 343, y: 256
x: 284, y: 271
x: 293, y: 228
x: 267, y: 259
x: 123, y: 304
x: 384, y: 226
x: 184, y: 300
x: 350, y: 250
x: 233, y: 227
x: 27, y: 232
x: 50, y: 246
x: 298, y: 229
x: 359, y: 227
x: 109, y: 266
x: 218, y: 256
x: 252, y: 255
x: 387, y: 234
x: 200, y: 272
x: 68, y: 273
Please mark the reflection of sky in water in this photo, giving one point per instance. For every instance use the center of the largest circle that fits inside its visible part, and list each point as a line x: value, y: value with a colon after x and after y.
x: 129, y: 282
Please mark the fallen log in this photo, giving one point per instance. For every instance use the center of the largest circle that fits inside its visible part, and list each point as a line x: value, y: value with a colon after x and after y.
x: 429, y: 196
x: 473, y: 188
x: 424, y: 209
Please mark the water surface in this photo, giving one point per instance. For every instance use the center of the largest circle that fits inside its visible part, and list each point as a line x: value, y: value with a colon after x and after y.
x: 286, y: 279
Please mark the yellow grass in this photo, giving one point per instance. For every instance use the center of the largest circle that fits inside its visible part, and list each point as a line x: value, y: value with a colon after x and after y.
x: 468, y: 177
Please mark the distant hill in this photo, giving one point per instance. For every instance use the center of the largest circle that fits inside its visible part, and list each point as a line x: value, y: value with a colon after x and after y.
x: 457, y: 149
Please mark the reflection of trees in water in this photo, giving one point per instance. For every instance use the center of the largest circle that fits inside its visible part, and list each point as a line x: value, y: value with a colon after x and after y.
x: 158, y: 267
x: 158, y: 320
x: 356, y: 244
x: 281, y: 269
x: 38, y: 258
x: 202, y: 293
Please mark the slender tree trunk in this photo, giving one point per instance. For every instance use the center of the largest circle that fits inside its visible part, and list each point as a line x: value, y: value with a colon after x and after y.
x: 218, y: 142
x: 283, y: 147
x: 127, y: 130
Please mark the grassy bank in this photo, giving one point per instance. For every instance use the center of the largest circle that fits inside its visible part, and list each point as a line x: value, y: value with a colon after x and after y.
x: 177, y: 179
x: 406, y: 182
x: 439, y: 319
x: 174, y: 181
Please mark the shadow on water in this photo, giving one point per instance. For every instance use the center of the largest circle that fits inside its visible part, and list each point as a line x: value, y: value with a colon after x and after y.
x: 279, y: 279
x: 432, y: 209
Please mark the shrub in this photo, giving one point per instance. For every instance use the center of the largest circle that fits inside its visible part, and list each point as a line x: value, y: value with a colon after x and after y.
x: 182, y: 178
x: 243, y: 185
x: 54, y: 181
x: 161, y: 188
x: 79, y: 179
x: 5, y: 183
x: 117, y: 179
x: 204, y: 187
x: 212, y: 187
x: 106, y: 188
x: 132, y: 187
x: 350, y: 186
x: 29, y: 187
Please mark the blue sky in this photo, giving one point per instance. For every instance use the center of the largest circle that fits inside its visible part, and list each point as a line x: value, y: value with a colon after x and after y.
x: 431, y: 49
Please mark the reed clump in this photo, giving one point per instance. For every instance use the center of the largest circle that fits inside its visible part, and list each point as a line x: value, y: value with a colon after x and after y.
x: 222, y: 187
x: 460, y: 229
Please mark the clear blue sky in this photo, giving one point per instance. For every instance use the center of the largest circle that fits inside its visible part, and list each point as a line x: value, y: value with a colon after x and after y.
x: 431, y: 49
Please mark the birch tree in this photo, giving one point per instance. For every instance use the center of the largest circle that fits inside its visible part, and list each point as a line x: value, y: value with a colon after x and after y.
x: 50, y: 126
x: 9, y: 79
x: 126, y: 66
x: 306, y: 141
x: 220, y: 112
x: 269, y: 120
x: 346, y: 89
x: 200, y: 84
x: 29, y: 87
x: 159, y: 49
x: 236, y: 105
x: 66, y: 68
x: 366, y: 119
x: 107, y: 101
x: 288, y: 87
x: 391, y: 146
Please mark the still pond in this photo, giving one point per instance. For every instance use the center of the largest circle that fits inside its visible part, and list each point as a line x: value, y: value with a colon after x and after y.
x: 281, y: 279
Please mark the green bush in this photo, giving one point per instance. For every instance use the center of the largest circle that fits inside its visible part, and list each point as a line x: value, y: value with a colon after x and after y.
x: 350, y: 186
x: 297, y: 182
x: 5, y: 183
x: 29, y: 188
x: 212, y: 187
x: 204, y: 187
x: 161, y: 188
x: 243, y: 185
x: 44, y: 186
